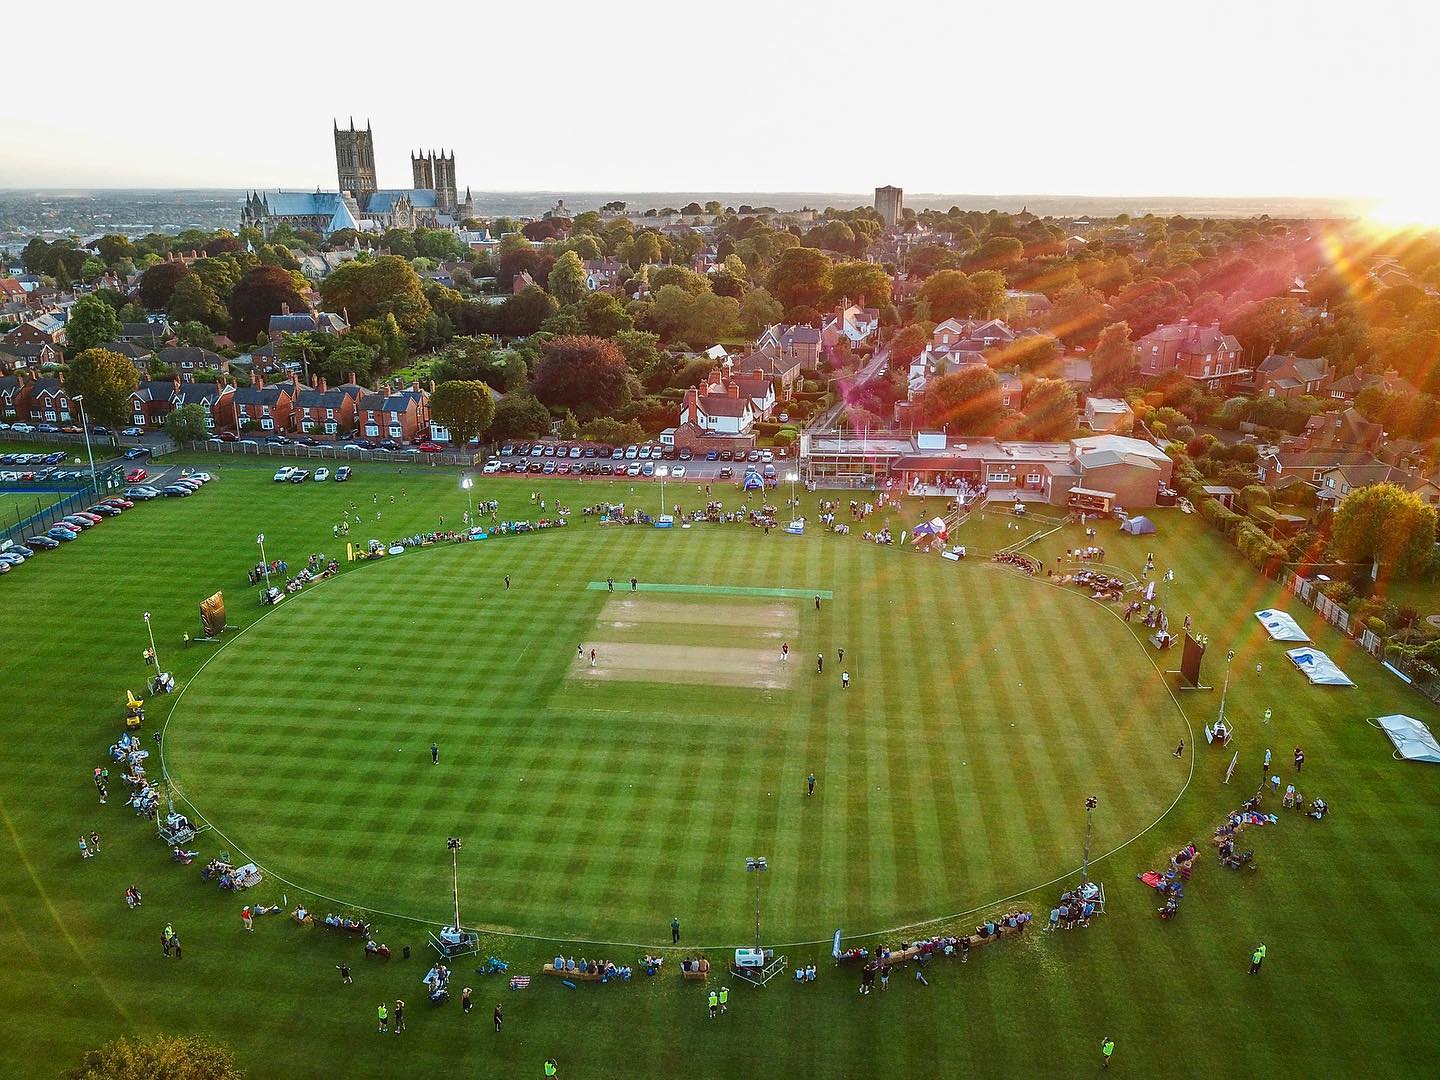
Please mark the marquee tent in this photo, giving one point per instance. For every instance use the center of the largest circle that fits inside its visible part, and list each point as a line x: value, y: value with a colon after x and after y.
x: 1280, y: 626
x: 1138, y: 526
x: 1412, y: 739
x: 933, y: 527
x: 753, y: 481
x: 1318, y: 667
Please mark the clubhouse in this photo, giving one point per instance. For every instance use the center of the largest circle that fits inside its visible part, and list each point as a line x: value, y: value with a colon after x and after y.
x: 1097, y: 472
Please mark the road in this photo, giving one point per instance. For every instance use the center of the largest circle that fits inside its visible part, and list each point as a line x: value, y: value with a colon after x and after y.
x: 826, y: 420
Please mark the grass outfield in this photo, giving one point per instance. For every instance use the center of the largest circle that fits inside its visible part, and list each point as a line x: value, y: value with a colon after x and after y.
x: 935, y: 837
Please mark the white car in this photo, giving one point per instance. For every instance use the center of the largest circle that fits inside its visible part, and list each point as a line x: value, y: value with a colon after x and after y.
x: 131, y: 432
x: 284, y: 473
x: 662, y: 471
x: 491, y: 467
x: 24, y: 429
x: 322, y: 473
x: 678, y: 472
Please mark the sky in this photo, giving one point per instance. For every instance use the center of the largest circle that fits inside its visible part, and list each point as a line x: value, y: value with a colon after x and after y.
x: 1260, y: 97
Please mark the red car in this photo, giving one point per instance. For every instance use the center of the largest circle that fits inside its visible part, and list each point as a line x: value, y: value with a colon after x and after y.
x: 94, y: 519
x: 429, y: 448
x: 118, y: 503
x: 134, y: 476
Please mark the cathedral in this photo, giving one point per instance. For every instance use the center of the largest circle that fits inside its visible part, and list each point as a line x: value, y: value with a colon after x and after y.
x: 360, y: 203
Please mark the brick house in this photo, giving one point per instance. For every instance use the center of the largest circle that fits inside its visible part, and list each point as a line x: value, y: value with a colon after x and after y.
x: 28, y: 356
x: 387, y: 416
x: 264, y: 408
x: 1201, y: 353
x: 45, y: 329
x: 148, y: 335
x: 49, y: 403
x: 154, y: 399
x: 1345, y: 429
x: 323, y: 411
x: 189, y: 360
x: 802, y: 341
x: 1291, y: 376
x: 1348, y: 388
x: 717, y: 408
x: 15, y: 391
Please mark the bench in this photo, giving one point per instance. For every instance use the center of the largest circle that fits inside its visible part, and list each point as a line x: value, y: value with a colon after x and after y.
x: 577, y: 976
x: 700, y: 974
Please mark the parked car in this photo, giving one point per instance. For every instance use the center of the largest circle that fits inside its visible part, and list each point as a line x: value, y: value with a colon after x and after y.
x: 299, y: 476
x: 632, y: 452
x: 678, y: 472
x: 576, y: 451
x: 726, y: 472
x: 754, y: 455
x: 491, y: 466
x: 430, y: 448
x: 229, y: 436
x: 322, y: 473
x: 618, y: 453
x: 647, y: 468
x: 62, y: 534
x: 42, y: 543
x: 563, y: 468
x: 177, y: 491
x: 115, y: 500
x: 99, y: 429
x: 71, y: 429
x: 662, y: 471
x: 306, y: 440
x: 7, y: 560
x: 47, y: 429
x: 767, y: 456
x: 78, y: 521
x: 549, y: 468
x: 131, y: 432
x: 537, y: 450
x: 686, y: 454
x: 278, y: 440
x: 24, y: 429
x: 284, y: 473
x: 135, y: 476
x: 142, y: 493
x: 105, y: 511
x: 135, y: 453
x: 633, y: 469
x: 712, y: 455
x: 342, y: 473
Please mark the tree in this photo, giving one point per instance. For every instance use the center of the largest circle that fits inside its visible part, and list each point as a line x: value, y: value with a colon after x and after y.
x: 519, y: 416
x: 92, y: 322
x: 387, y: 286
x: 1050, y: 410
x: 171, y: 1057
x: 1115, y: 363
x: 262, y: 292
x: 614, y: 432
x: 758, y: 309
x: 568, y: 282
x: 466, y: 407
x: 908, y: 344
x: 1031, y: 353
x: 860, y: 281
x: 195, y: 301
x: 948, y: 295
x: 105, y: 380
x: 645, y: 248
x: 801, y: 278
x: 1267, y: 326
x: 582, y: 373
x: 996, y: 253
x: 187, y: 423
x: 522, y: 314
x: 1385, y: 524
x: 113, y: 248
x: 604, y: 316
x: 966, y: 402
x: 478, y: 358
x: 157, y: 283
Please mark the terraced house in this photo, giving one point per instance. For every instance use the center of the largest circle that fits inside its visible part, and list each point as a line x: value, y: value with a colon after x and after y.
x: 1201, y: 353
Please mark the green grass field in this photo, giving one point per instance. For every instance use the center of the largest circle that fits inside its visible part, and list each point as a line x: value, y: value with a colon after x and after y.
x: 305, y: 740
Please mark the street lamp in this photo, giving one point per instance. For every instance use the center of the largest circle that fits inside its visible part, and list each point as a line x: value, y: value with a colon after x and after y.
x: 792, y: 476
x: 1229, y: 656
x: 467, y: 483
x: 1090, y: 804
x: 454, y: 844
x: 153, y: 654
x: 757, y: 866
x: 662, y: 496
x: 79, y: 399
x: 264, y: 563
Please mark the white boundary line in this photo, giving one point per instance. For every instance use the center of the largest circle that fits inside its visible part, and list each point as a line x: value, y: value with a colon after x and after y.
x: 519, y: 936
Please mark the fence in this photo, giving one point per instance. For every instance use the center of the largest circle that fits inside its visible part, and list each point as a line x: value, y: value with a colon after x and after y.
x: 42, y: 519
x: 338, y: 453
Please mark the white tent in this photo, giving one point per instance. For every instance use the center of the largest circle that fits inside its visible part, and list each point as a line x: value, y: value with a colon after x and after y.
x: 1318, y: 667
x: 1412, y: 739
x: 1281, y: 626
x: 1138, y: 526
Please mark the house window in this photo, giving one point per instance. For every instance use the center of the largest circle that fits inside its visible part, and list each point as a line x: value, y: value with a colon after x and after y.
x: 371, y: 430
x: 998, y: 477
x: 49, y: 414
x: 395, y: 431
x: 329, y: 429
x: 209, y: 421
x: 264, y: 410
x: 1032, y: 478
x: 139, y: 418
x: 1272, y: 391
x: 329, y: 414
x: 267, y: 424
x: 1005, y: 401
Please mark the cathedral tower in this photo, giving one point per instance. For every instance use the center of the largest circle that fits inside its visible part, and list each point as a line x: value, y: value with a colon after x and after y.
x: 355, y: 160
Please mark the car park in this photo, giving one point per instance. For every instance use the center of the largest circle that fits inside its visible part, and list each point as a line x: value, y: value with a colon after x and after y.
x: 176, y: 491
x: 42, y: 543
x: 284, y: 473
x: 342, y: 473
x: 62, y: 534
x: 322, y: 473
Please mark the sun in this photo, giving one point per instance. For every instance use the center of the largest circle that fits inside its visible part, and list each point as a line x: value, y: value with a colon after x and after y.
x: 1407, y: 210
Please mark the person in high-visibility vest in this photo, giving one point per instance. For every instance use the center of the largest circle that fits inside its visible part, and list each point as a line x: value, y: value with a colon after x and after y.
x: 1257, y: 958
x: 1107, y: 1051
x: 383, y: 1015
x: 724, y: 999
x: 714, y: 1001
x: 549, y: 1066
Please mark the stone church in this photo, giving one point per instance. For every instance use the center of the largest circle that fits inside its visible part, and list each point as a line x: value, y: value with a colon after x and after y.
x: 360, y: 203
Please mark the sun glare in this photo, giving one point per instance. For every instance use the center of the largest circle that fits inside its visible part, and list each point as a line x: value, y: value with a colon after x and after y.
x: 1417, y: 208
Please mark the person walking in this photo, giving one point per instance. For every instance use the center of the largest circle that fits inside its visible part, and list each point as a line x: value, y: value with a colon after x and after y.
x: 579, y: 652
x: 344, y: 969
x: 885, y: 977
x: 466, y: 1001
x: 675, y: 930
x: 592, y: 657
x: 840, y: 655
x: 95, y: 836
x: 714, y: 1002
x: 507, y: 582
x: 634, y: 584
x: 84, y: 847
x: 844, y: 680
x: 819, y: 663
x: 246, y: 919
x: 165, y: 940
x: 434, y: 753
x: 175, y: 944
x: 1265, y: 768
x: 1107, y: 1051
x: 817, y: 601
x: 810, y: 784
x: 724, y: 1000
x: 1179, y: 750
x: 382, y: 1015
x: 609, y: 584
x: 1257, y: 958
x: 550, y: 1067
x: 399, y: 1025
x: 1299, y: 763
x: 499, y: 1017
x: 784, y: 651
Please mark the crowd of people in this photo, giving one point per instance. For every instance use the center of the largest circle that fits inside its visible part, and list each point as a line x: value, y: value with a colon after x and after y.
x: 606, y: 969
x: 1025, y: 563
x: 1077, y: 907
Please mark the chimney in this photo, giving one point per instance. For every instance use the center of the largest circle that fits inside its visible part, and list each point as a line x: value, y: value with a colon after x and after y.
x: 284, y: 309
x: 733, y: 390
x: 692, y: 403
x: 350, y: 377
x: 256, y: 381
x: 432, y: 386
x: 295, y: 382
x: 320, y: 383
